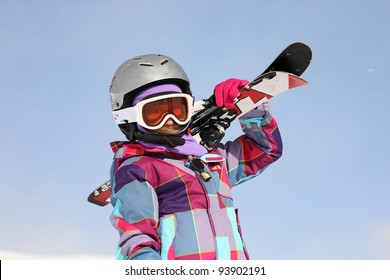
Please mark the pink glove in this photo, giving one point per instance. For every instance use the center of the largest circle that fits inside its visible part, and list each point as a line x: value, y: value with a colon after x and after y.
x: 227, y: 91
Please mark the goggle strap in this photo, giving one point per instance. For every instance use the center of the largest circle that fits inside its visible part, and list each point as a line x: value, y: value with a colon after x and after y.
x: 127, y: 115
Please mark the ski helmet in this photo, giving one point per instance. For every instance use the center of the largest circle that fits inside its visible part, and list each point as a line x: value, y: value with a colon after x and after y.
x: 138, y: 74
x: 143, y: 71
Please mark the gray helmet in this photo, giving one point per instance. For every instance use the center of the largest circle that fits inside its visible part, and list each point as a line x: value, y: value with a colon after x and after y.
x: 139, y: 72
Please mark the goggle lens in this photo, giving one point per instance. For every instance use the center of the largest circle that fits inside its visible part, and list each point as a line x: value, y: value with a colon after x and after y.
x: 154, y: 112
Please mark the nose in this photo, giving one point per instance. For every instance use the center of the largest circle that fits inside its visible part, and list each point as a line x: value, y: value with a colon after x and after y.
x: 169, y: 122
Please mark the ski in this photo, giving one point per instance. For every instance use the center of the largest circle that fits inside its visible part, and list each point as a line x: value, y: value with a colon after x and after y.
x: 210, y: 121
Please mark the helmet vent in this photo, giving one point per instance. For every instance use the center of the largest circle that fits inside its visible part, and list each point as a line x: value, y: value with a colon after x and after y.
x: 165, y: 61
x: 146, y: 64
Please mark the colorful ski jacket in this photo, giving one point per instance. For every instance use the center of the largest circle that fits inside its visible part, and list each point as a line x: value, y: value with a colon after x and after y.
x: 164, y: 209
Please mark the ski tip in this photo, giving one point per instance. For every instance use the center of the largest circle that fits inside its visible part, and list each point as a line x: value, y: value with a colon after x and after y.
x: 299, y: 43
x: 295, y: 58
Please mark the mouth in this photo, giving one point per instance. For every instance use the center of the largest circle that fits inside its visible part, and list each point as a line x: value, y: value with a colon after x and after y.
x: 169, y: 128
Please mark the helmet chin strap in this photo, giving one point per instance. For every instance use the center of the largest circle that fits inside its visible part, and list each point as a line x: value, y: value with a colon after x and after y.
x: 132, y: 134
x: 169, y: 140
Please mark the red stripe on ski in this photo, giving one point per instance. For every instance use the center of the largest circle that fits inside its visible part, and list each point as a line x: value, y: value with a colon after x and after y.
x: 294, y: 81
x: 253, y: 95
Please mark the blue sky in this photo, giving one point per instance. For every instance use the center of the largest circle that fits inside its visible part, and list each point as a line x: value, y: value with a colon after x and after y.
x: 326, y: 198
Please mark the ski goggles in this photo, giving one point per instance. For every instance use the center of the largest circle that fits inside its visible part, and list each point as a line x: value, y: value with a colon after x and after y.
x: 152, y: 113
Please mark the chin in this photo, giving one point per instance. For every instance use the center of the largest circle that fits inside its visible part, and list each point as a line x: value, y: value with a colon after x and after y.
x: 169, y: 131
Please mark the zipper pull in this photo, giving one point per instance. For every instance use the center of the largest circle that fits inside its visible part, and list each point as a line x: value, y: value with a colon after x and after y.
x: 197, y: 165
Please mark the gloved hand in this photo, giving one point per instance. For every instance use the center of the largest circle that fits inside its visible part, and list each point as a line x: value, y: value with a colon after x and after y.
x: 227, y: 91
